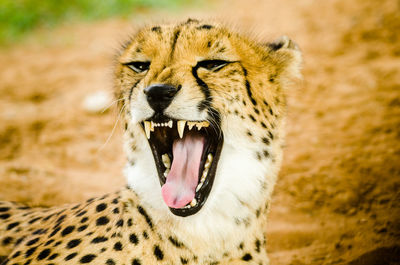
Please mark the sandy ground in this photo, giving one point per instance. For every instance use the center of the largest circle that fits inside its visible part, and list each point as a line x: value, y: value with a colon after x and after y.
x: 338, y: 197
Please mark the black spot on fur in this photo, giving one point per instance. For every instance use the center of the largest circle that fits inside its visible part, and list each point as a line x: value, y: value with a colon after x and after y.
x: 258, y: 244
x: 4, y: 216
x: 249, y: 133
x: 101, y: 207
x: 130, y: 222
x: 207, y: 27
x: 134, y: 239
x: 209, y: 44
x: 70, y: 256
x: 102, y: 221
x: 116, y: 210
x: 12, y: 225
x: 136, y: 262
x: 4, y: 209
x: 68, y: 230
x: 33, y: 241
x: 87, y: 258
x: 266, y: 153
x: 73, y: 243
x: 7, y: 240
x: 81, y: 228
x: 256, y: 111
x: 30, y: 251
x: 55, y: 231
x: 110, y: 262
x: 99, y: 239
x: 114, y: 201
x: 175, y: 242
x: 270, y: 135
x: 146, y: 216
x: 247, y: 257
x: 145, y: 235
x: 118, y: 246
x: 49, y: 242
x: 184, y: 261
x: 84, y: 219
x: 156, y: 29
x: 34, y: 220
x: 265, y: 140
x: 241, y: 245
x: 55, y: 255
x: 258, y: 211
x: 44, y: 254
x: 263, y: 125
x: 252, y: 117
x: 120, y: 223
x: 16, y: 254
x: 158, y: 253
x: 79, y: 214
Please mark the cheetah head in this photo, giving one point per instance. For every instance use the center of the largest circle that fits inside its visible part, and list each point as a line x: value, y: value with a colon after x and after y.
x: 203, y: 108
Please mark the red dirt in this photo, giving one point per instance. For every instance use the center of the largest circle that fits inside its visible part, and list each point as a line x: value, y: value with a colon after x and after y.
x: 337, y: 199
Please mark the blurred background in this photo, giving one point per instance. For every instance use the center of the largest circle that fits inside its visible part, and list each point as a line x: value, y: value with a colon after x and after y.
x: 337, y: 200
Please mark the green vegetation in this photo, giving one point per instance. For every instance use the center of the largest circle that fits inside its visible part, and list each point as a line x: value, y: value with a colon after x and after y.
x: 18, y: 17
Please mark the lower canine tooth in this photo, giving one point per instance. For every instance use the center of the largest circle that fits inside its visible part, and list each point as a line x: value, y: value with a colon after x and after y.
x: 170, y: 124
x: 147, y: 129
x: 193, y: 202
x: 181, y: 128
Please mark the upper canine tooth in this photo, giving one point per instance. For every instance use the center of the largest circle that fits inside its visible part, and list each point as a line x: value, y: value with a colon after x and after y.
x: 181, y: 128
x: 191, y: 124
x: 147, y: 129
x: 170, y: 124
x: 152, y: 126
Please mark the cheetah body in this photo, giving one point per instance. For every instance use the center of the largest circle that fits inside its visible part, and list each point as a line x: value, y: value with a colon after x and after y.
x: 245, y: 91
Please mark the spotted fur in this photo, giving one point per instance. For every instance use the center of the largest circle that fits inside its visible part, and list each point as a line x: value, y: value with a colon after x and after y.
x: 134, y: 226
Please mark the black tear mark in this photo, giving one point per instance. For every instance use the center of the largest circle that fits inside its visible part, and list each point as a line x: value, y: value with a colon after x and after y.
x: 204, y: 88
x: 131, y: 90
x: 249, y: 93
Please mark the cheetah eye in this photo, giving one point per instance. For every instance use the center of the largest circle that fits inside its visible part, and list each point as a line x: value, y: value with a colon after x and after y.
x: 212, y: 65
x: 138, y: 67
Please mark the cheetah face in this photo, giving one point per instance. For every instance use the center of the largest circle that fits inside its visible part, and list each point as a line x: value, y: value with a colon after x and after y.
x: 185, y: 93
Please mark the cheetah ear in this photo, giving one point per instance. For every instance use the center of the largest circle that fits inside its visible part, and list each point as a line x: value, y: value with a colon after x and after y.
x: 285, y: 55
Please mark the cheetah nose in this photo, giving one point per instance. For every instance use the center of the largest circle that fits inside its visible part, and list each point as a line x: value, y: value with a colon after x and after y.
x: 160, y: 96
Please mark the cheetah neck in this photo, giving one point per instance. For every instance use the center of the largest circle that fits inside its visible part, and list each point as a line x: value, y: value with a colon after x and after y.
x: 225, y: 243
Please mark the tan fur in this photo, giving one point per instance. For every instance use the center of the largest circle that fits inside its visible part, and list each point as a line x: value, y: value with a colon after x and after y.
x: 249, y: 95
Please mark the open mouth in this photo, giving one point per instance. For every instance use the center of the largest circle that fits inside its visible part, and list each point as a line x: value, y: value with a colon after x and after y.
x: 186, y: 155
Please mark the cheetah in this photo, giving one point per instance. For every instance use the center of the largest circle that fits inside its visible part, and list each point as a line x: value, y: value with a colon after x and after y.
x: 204, y: 111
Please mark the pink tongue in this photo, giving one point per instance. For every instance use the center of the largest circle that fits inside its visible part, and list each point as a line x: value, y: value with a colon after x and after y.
x: 180, y: 187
